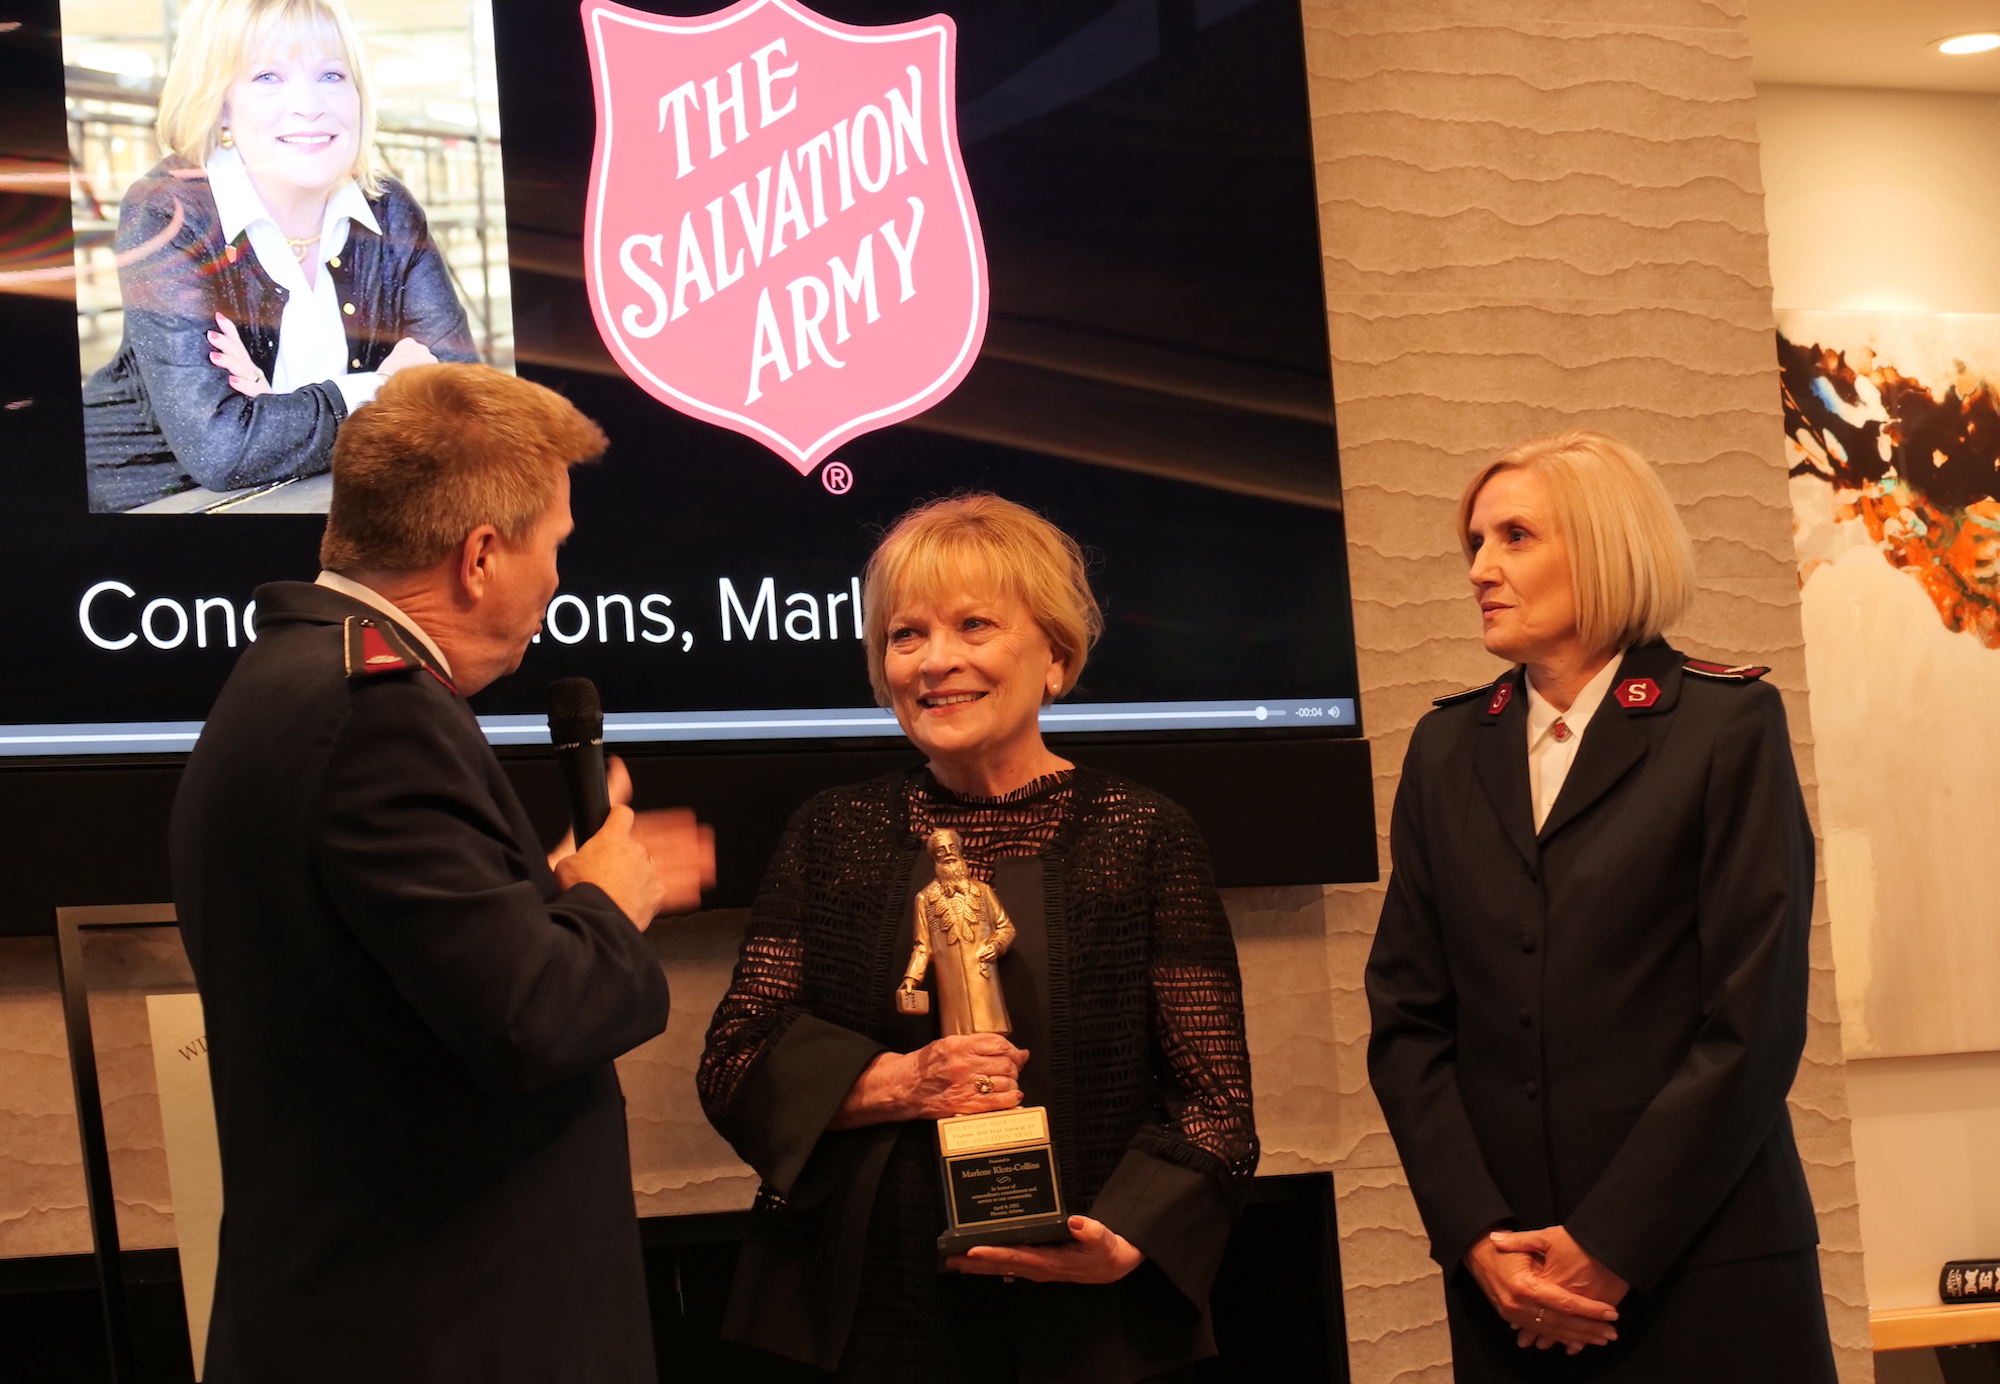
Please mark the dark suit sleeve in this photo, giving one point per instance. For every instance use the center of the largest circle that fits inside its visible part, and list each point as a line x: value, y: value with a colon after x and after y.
x: 1413, y: 1045
x: 772, y: 1075
x: 1174, y: 1194
x: 425, y: 870
x: 1698, y: 1136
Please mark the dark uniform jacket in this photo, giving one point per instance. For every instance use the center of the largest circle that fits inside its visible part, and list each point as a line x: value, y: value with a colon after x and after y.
x: 424, y: 1161
x: 159, y: 418
x: 1596, y: 1025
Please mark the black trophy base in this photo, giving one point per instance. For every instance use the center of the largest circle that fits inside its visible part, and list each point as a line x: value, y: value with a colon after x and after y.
x: 1036, y: 1230
x: 1000, y: 1182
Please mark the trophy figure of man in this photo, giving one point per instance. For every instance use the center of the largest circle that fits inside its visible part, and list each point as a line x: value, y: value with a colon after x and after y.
x: 962, y: 929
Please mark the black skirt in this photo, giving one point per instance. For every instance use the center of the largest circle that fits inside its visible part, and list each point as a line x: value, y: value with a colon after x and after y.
x: 916, y: 1325
x: 913, y: 1324
x: 1750, y: 1321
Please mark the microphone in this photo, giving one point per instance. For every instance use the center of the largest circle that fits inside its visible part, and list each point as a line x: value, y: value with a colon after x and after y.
x: 576, y: 729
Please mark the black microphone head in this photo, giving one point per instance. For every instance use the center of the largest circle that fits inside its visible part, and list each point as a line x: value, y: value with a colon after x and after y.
x: 576, y: 715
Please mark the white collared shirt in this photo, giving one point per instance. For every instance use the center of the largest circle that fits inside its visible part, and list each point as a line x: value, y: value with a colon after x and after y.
x: 312, y: 334
x: 1550, y: 758
x: 368, y: 595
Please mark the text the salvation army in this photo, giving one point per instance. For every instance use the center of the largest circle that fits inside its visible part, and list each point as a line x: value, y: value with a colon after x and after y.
x: 800, y: 188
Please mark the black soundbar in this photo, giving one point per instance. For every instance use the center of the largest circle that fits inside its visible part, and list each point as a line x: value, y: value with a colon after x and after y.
x: 1279, y: 811
x: 1272, y: 812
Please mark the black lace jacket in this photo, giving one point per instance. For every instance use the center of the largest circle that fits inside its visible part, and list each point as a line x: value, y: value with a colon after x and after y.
x: 1147, y: 1082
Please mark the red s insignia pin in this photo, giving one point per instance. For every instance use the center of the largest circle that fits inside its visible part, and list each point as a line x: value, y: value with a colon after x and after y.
x: 1502, y: 695
x: 780, y: 237
x: 1638, y: 692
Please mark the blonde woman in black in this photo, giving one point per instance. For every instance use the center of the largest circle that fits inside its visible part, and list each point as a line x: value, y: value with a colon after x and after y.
x: 1121, y: 982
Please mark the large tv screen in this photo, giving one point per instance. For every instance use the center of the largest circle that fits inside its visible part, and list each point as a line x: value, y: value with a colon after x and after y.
x: 808, y: 267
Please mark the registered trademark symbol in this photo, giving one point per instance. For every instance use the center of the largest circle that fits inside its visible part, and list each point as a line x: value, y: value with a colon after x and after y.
x: 837, y: 479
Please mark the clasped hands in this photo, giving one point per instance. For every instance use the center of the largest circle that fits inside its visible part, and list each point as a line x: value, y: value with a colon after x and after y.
x: 649, y: 863
x: 967, y: 1075
x: 1548, y: 1288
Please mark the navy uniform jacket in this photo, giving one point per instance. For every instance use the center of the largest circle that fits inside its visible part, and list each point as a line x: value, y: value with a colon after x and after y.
x: 424, y: 1161
x: 1596, y: 1025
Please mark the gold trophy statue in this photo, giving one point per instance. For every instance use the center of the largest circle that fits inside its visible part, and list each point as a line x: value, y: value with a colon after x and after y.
x: 962, y: 932
x: 999, y: 1169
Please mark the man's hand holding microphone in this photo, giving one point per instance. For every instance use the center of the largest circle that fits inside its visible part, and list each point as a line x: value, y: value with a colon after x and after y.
x: 649, y: 863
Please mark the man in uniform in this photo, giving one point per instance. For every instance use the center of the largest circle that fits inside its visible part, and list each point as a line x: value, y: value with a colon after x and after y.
x: 411, y: 1013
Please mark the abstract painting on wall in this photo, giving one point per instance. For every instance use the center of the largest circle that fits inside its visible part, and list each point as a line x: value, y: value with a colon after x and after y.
x: 1892, y: 425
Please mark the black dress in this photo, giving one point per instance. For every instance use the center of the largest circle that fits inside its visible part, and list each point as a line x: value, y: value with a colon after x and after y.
x: 1594, y: 1025
x: 1121, y: 983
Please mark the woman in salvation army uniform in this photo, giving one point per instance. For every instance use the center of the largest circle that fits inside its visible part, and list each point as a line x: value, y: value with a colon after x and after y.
x: 1588, y: 986
x: 1123, y: 1011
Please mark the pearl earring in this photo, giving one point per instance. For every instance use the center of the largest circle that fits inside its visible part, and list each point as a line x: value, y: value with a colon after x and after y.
x: 227, y: 141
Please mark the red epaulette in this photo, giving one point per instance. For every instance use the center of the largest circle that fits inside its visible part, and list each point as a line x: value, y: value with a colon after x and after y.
x: 375, y: 647
x: 1722, y: 672
x: 1493, y: 688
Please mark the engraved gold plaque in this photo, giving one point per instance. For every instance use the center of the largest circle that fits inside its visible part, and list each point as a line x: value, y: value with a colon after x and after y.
x: 1000, y: 1181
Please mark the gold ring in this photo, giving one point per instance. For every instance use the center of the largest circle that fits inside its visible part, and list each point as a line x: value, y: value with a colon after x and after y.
x: 984, y: 1085
x: 1538, y: 1318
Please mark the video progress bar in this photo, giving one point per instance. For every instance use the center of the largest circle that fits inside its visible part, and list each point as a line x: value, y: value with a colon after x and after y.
x: 832, y: 722
x: 159, y: 737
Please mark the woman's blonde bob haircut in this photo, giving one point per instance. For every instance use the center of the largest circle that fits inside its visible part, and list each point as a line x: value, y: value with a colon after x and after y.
x: 1629, y: 554
x: 981, y: 543
x: 217, y: 42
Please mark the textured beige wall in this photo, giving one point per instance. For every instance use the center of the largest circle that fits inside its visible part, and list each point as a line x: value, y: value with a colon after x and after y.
x: 41, y: 1164
x: 41, y: 1169
x: 1538, y: 215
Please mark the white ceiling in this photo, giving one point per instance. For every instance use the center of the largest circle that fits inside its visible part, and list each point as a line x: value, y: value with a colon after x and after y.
x: 1872, y: 43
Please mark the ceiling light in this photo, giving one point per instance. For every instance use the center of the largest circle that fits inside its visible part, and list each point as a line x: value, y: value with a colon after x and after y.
x: 1969, y: 43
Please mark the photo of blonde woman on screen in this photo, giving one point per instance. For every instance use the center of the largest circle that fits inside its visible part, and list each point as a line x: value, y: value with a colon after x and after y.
x: 272, y: 273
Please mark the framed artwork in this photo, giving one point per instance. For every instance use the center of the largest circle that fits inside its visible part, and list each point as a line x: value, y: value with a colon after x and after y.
x: 1892, y: 425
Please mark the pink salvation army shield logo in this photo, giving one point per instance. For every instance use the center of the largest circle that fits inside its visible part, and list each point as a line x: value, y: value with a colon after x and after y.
x: 781, y: 239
